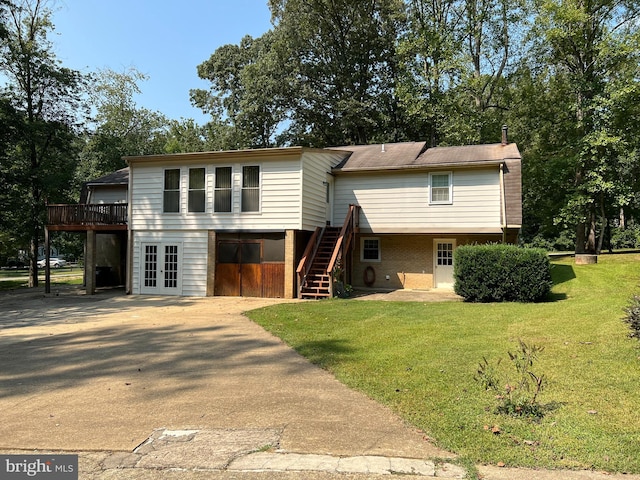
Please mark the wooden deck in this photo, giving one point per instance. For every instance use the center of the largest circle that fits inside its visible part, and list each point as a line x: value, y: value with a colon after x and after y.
x: 82, y: 217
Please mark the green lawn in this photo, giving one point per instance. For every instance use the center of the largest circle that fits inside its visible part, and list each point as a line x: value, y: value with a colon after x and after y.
x: 420, y: 359
x: 13, y: 279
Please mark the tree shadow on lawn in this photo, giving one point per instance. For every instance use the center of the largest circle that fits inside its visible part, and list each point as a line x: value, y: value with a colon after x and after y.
x: 560, y: 274
x: 324, y: 353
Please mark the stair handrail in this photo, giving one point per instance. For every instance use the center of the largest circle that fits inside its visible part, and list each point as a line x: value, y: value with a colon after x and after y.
x: 307, y: 257
x: 351, y: 223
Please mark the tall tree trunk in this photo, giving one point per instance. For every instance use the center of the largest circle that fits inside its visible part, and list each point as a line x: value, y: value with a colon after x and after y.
x: 603, y: 219
x: 33, y: 260
x: 581, y: 238
x: 590, y: 247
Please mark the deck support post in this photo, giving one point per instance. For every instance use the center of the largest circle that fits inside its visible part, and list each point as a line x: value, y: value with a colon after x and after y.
x: 47, y: 267
x: 90, y: 263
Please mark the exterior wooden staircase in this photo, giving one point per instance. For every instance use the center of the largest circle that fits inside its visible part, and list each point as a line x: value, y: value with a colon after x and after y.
x: 324, y: 255
x: 317, y: 282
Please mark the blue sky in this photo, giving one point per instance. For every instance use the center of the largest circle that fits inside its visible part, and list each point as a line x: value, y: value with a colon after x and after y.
x: 164, y: 39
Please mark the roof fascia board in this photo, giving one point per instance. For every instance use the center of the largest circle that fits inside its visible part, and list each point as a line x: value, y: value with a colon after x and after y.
x: 222, y: 156
x: 430, y: 167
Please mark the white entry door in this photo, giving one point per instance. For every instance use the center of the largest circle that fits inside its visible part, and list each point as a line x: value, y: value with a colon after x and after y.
x: 443, y: 262
x: 328, y: 185
x: 161, y: 271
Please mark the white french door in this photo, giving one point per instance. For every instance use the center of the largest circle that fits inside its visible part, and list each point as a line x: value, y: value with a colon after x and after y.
x: 443, y: 262
x: 161, y: 271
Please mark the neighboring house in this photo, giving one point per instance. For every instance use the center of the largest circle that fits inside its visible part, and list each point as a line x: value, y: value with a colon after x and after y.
x: 284, y: 222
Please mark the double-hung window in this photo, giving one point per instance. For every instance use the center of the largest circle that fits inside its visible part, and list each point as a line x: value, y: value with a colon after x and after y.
x: 222, y: 190
x: 171, y: 197
x: 197, y: 193
x: 250, y: 201
x: 370, y: 250
x: 440, y: 186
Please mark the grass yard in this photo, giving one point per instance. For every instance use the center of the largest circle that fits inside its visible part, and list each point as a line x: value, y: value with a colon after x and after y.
x: 420, y: 359
x: 13, y: 279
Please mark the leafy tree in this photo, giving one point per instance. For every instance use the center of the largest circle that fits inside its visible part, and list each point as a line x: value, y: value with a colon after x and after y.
x: 457, y: 55
x: 46, y: 99
x: 246, y: 95
x: 186, y: 136
x: 344, y: 66
x: 121, y: 128
x: 592, y: 45
x: 430, y: 62
x: 323, y: 76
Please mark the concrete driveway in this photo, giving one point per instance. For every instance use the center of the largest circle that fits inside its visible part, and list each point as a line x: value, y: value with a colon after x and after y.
x: 110, y: 372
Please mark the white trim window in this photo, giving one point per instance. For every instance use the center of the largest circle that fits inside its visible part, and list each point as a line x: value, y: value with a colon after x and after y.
x: 440, y: 188
x: 171, y: 192
x: 250, y: 200
x: 197, y: 197
x: 370, y: 249
x: 223, y: 190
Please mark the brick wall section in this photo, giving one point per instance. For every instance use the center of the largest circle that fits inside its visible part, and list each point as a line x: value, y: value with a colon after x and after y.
x: 290, y: 264
x: 407, y: 259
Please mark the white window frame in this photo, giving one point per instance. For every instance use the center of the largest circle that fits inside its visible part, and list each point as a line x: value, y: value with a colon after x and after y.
x: 215, y: 190
x: 189, y: 190
x: 243, y: 188
x: 431, y: 188
x: 371, y: 260
x: 165, y: 190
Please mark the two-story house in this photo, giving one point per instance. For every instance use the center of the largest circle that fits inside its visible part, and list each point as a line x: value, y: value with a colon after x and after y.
x: 288, y: 222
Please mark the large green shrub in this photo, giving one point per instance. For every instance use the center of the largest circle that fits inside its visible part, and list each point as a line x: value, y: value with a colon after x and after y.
x: 632, y: 317
x: 625, y: 238
x: 498, y: 273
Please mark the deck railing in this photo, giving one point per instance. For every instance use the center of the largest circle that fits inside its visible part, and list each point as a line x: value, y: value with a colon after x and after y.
x: 87, y: 214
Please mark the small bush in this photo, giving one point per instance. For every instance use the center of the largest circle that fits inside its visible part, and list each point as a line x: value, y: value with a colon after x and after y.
x: 516, y: 396
x: 632, y: 317
x: 498, y: 273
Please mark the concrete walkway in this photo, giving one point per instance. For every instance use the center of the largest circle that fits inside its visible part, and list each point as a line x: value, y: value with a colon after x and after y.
x: 160, y: 387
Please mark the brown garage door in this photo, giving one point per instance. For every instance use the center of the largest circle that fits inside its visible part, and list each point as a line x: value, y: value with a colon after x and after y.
x: 250, y: 266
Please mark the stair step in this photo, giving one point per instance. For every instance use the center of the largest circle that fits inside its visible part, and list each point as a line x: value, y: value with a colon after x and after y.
x: 315, y: 295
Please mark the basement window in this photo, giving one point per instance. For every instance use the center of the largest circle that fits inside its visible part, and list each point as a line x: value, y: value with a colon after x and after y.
x: 370, y: 249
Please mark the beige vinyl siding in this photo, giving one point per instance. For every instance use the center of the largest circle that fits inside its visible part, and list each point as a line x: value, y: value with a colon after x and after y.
x: 315, y: 166
x: 279, y: 199
x: 399, y: 201
x: 193, y: 262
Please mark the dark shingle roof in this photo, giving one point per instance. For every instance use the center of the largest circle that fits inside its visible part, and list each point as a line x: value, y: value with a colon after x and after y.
x: 468, y: 154
x: 119, y: 177
x: 413, y: 154
x: 381, y: 156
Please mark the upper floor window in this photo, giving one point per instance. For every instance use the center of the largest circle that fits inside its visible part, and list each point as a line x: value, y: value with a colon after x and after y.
x: 222, y: 190
x: 197, y: 194
x: 250, y: 189
x: 441, y: 188
x: 171, y: 198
